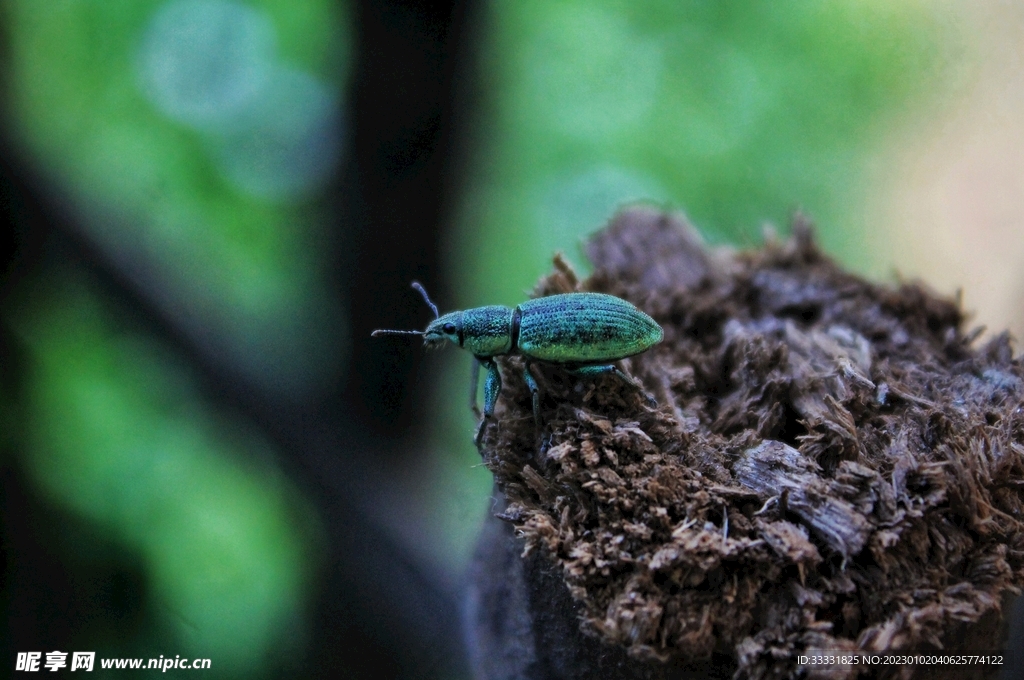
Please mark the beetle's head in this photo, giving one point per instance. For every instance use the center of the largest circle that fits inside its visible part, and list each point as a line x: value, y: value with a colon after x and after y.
x: 447, y: 327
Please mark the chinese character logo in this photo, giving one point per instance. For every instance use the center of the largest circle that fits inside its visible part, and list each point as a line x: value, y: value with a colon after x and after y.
x: 82, y: 660
x: 28, y: 661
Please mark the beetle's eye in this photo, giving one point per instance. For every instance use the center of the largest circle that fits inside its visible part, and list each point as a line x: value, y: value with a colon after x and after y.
x: 448, y: 328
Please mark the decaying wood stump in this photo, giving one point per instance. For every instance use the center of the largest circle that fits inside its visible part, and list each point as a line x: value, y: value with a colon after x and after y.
x: 832, y: 465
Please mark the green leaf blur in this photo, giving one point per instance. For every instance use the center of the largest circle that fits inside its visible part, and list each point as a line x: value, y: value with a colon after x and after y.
x: 737, y: 113
x: 198, y: 211
x: 212, y: 216
x: 117, y: 433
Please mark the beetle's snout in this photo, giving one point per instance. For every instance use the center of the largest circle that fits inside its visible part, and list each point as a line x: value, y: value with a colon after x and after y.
x: 444, y: 329
x: 433, y: 340
x: 433, y: 337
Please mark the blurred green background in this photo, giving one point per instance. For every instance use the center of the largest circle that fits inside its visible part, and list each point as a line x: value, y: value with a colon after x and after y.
x: 216, y: 200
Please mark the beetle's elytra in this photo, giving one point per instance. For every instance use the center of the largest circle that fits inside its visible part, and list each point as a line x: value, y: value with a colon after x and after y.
x: 582, y: 332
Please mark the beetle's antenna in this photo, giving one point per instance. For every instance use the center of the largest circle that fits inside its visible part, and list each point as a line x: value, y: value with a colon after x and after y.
x: 384, y: 331
x: 423, y: 292
x: 433, y: 308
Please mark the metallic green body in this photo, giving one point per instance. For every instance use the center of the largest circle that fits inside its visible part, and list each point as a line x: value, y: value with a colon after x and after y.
x: 582, y: 331
x: 487, y: 330
x: 584, y: 328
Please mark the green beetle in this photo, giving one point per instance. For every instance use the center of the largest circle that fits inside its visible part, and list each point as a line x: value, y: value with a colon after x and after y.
x: 582, y: 332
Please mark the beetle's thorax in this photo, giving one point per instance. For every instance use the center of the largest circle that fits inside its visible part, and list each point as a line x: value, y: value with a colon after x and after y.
x: 487, y: 331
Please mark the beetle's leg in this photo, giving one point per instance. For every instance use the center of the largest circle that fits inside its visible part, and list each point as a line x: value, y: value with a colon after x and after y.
x: 592, y: 371
x: 492, y: 388
x: 474, y: 379
x: 534, y: 392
